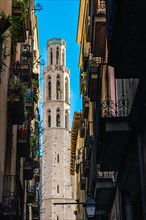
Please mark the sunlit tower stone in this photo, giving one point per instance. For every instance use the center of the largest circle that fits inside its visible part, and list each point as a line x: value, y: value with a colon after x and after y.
x: 55, y: 178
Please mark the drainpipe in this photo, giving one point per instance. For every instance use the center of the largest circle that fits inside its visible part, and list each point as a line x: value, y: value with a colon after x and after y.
x: 142, y: 167
x: 128, y: 207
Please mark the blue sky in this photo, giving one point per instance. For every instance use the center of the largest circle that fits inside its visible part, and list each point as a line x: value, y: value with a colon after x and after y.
x: 59, y: 18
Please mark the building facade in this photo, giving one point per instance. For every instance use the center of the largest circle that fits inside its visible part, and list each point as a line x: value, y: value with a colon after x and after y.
x: 109, y: 160
x: 57, y: 185
x: 19, y: 115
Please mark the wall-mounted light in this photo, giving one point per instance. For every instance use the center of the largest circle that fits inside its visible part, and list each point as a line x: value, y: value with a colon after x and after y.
x: 90, y: 205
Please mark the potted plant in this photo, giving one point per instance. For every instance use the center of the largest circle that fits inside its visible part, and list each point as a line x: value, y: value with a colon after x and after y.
x: 5, y: 21
x: 18, y: 21
x: 19, y: 9
x: 35, y: 84
x: 26, y: 54
x: 16, y: 88
x: 16, y: 101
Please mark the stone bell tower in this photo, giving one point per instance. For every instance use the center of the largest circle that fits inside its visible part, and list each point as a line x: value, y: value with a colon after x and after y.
x: 56, y: 180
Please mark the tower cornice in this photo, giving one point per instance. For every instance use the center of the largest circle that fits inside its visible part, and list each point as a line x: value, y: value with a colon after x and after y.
x: 58, y: 68
x: 59, y: 41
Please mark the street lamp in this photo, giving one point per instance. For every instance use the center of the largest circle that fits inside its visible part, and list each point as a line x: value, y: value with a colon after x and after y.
x: 90, y: 206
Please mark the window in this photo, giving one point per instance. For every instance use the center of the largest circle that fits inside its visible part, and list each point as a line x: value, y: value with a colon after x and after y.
x: 58, y: 93
x: 49, y: 87
x: 57, y: 217
x: 49, y: 118
x: 66, y: 119
x: 63, y: 61
x: 57, y: 55
x: 57, y: 158
x: 66, y: 90
x: 57, y: 188
x: 58, y: 118
x: 51, y: 56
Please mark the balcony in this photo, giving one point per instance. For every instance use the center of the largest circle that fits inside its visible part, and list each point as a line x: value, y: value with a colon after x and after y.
x: 35, y: 211
x: 16, y: 109
x: 16, y: 91
x: 25, y: 73
x: 86, y: 168
x: 36, y: 173
x: 104, y: 190
x: 85, y: 107
x: 31, y: 194
x: 28, y: 169
x: 29, y: 104
x: 18, y: 21
x: 87, y: 142
x: 98, y: 42
x: 115, y: 132
x: 82, y: 183
x: 23, y: 135
x: 82, y: 178
x: 92, y: 76
x: 82, y: 127
x: 12, y: 199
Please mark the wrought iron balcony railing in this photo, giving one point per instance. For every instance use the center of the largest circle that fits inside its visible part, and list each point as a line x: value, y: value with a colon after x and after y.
x: 13, y: 196
x: 120, y: 108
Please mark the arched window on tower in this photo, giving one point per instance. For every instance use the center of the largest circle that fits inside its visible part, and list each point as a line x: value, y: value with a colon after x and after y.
x: 63, y: 58
x: 66, y: 90
x: 58, y: 117
x: 66, y: 119
x: 57, y: 55
x: 51, y: 56
x: 58, y: 89
x: 49, y: 87
x: 49, y: 118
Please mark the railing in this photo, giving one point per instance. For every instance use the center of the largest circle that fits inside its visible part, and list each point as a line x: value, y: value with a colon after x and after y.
x: 101, y: 8
x: 29, y: 96
x: 106, y: 175
x: 82, y: 127
x: 12, y: 195
x: 87, y: 142
x: 121, y: 108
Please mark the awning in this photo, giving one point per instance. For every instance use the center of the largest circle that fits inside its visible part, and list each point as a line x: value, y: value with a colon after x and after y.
x: 74, y: 135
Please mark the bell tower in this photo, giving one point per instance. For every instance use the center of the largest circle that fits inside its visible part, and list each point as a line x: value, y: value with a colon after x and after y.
x: 56, y: 181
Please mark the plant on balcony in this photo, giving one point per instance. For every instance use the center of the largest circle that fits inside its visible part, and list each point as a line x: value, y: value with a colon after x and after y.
x: 19, y: 9
x: 83, y: 82
x: 33, y: 145
x: 16, y: 88
x: 35, y: 83
x: 5, y: 21
x: 18, y: 21
x: 4, y: 54
x: 26, y: 54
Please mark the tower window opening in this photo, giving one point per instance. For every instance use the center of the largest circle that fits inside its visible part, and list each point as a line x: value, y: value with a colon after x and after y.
x: 57, y: 217
x: 51, y: 56
x: 58, y: 88
x: 57, y: 188
x: 63, y: 58
x: 49, y: 118
x: 58, y: 118
x: 49, y: 87
x: 57, y: 55
x: 66, y: 119
x: 57, y: 158
x: 66, y: 90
